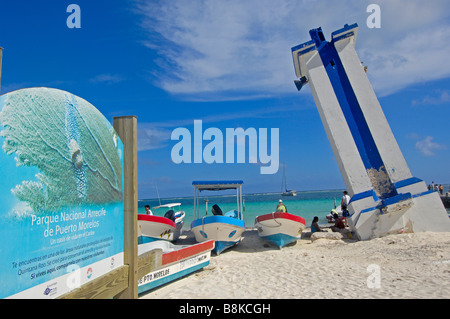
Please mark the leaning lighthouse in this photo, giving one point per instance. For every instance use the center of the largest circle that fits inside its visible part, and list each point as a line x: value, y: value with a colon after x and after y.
x: 385, y: 197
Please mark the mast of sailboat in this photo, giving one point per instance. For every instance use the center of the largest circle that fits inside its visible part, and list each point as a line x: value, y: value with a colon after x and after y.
x: 157, y: 192
x: 284, y: 183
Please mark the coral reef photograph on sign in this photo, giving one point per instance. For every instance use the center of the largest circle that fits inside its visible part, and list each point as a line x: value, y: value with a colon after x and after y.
x: 68, y: 141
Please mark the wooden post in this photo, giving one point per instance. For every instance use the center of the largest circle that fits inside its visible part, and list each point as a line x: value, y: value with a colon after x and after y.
x: 126, y: 127
x: 1, y: 54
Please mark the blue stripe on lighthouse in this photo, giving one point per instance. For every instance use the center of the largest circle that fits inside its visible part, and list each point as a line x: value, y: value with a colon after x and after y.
x: 349, y: 104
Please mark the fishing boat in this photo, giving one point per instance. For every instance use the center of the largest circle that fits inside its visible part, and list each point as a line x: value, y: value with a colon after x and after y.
x: 280, y: 228
x: 153, y: 227
x: 173, y: 262
x: 225, y: 229
x: 177, y: 216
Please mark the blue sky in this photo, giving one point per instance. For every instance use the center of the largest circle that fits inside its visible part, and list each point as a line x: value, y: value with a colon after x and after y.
x: 228, y: 63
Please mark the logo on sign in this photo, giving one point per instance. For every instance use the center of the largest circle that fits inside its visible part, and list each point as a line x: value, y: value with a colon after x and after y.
x: 51, y: 290
x: 89, y: 273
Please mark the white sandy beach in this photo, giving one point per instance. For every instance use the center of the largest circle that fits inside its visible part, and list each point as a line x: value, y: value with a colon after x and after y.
x: 415, y: 265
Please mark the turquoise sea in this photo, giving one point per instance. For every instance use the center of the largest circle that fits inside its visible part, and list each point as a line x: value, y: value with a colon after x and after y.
x: 306, y: 204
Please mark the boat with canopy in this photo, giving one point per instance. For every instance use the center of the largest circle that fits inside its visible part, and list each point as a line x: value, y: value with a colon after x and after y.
x: 224, y: 228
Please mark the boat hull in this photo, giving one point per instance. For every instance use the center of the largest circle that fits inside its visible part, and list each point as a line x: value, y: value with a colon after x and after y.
x: 152, y: 228
x: 280, y: 228
x: 177, y: 261
x: 225, y: 231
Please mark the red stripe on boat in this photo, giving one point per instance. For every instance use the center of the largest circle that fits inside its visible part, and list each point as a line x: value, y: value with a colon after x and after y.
x: 281, y: 215
x: 187, y: 252
x: 156, y: 219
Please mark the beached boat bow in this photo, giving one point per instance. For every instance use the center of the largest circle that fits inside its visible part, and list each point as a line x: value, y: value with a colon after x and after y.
x: 226, y: 231
x: 176, y: 261
x: 280, y: 228
x: 169, y: 227
x: 151, y: 228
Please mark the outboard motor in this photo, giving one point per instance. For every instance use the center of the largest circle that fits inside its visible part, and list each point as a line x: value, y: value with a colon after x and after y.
x: 216, y: 210
x: 170, y: 214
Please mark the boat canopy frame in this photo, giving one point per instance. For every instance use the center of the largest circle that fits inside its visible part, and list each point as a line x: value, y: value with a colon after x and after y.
x: 169, y: 205
x: 200, y: 186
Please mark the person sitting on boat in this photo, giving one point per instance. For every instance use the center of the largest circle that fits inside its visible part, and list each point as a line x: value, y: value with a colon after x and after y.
x: 338, y: 224
x: 281, y: 208
x: 315, y: 226
x: 147, y: 210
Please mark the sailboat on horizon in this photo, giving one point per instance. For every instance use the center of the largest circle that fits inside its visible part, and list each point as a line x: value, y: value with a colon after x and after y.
x: 284, y: 190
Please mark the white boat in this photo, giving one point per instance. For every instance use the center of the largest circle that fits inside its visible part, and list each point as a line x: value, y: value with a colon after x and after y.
x: 176, y: 261
x: 225, y: 229
x: 289, y: 193
x: 178, y: 216
x: 286, y: 192
x: 169, y: 227
x: 280, y: 228
x: 151, y: 228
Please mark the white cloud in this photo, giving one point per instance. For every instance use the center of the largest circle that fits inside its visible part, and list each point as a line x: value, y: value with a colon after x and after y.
x: 227, y: 49
x: 158, y: 134
x: 107, y: 78
x: 440, y: 97
x: 150, y: 137
x: 427, y: 147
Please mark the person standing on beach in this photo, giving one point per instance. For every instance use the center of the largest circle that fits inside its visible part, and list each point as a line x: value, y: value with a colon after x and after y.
x: 344, y: 202
x: 147, y: 210
x: 281, y: 208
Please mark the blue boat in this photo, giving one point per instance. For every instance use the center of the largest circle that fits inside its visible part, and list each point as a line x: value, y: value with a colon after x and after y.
x: 225, y: 229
